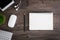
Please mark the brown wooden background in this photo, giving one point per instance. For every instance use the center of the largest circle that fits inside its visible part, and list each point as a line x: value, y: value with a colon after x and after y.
x: 34, y: 5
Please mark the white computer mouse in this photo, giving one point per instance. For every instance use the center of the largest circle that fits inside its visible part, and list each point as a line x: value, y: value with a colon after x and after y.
x: 12, y: 21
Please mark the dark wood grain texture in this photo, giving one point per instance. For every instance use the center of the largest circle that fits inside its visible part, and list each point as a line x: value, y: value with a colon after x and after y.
x: 34, y: 5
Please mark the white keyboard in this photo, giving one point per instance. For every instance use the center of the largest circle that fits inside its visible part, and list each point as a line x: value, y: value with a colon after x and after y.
x: 4, y: 35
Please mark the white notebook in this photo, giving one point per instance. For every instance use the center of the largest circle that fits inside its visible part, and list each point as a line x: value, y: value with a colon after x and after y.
x: 41, y: 21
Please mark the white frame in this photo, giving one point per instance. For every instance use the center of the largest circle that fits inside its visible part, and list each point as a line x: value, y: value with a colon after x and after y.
x: 36, y: 21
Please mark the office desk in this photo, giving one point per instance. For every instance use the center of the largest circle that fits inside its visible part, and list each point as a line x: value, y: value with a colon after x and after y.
x: 34, y: 5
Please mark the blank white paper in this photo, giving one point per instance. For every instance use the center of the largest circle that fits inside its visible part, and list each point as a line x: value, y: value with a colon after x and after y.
x: 41, y: 21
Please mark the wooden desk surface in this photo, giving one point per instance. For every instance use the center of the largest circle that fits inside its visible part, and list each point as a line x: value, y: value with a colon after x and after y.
x: 34, y: 5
